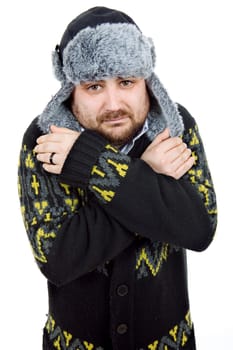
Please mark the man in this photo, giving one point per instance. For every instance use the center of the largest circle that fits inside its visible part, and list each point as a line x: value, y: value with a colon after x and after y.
x: 114, y: 186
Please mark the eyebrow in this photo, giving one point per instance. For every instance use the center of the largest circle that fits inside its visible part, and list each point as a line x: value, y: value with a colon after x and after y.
x: 91, y: 82
x: 101, y: 81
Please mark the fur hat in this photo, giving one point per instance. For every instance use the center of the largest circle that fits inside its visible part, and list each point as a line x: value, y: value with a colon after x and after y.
x: 104, y: 43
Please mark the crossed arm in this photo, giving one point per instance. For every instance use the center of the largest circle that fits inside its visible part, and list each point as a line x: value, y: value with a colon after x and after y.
x: 165, y: 155
x: 70, y: 238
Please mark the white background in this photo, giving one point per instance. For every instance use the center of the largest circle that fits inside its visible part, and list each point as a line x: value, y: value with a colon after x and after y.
x: 193, y: 40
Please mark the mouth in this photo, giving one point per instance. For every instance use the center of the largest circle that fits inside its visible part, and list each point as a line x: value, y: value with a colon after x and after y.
x: 116, y: 120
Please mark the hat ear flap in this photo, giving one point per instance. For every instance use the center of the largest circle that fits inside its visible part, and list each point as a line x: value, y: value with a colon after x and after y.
x: 57, y: 113
x: 57, y: 66
x: 169, y: 109
x: 152, y: 50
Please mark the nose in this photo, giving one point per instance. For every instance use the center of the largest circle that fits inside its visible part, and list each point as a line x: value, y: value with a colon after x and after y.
x: 112, y: 99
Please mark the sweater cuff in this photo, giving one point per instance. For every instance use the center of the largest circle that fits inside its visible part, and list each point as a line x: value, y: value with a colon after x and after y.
x: 83, y: 155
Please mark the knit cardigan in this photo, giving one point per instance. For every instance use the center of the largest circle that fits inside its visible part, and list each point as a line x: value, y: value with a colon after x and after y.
x: 110, y: 236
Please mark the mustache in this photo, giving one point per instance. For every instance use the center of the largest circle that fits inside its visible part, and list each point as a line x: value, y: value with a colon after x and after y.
x: 111, y: 115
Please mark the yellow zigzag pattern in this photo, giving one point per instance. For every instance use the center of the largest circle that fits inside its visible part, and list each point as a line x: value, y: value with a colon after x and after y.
x: 179, y: 336
x: 154, y: 268
x: 196, y: 174
x: 62, y: 337
x: 40, y: 235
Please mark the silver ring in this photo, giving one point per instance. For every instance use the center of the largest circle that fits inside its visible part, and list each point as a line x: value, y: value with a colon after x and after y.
x: 51, y: 158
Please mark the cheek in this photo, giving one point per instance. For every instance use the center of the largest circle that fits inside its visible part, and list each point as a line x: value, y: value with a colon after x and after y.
x: 84, y: 115
x: 146, y: 104
x: 141, y: 105
x: 86, y: 120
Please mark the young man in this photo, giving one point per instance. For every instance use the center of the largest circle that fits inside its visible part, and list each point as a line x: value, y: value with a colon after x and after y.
x: 114, y: 187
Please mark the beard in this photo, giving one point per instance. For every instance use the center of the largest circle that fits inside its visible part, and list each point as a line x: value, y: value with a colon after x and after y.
x: 112, y: 134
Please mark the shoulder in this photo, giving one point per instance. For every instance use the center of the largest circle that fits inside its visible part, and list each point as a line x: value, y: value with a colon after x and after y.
x: 32, y: 133
x: 188, y: 119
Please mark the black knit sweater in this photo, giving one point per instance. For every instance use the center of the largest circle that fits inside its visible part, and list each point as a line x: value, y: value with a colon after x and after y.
x: 110, y: 236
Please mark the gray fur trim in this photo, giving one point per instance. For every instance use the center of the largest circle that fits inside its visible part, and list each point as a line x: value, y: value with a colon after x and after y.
x: 156, y: 123
x: 108, y: 50
x: 57, y: 113
x: 170, y: 116
x: 59, y: 74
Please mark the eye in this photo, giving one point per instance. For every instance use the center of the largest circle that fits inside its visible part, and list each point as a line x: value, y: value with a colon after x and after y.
x: 93, y: 87
x: 127, y: 82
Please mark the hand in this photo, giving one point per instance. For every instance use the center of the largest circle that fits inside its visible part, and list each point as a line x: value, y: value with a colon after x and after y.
x: 168, y: 155
x: 59, y: 142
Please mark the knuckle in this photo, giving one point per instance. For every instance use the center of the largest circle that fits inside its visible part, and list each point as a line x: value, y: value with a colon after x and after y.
x: 192, y: 161
x: 45, y: 148
x: 170, y: 171
x: 178, y: 140
x: 174, y: 174
x: 185, y: 155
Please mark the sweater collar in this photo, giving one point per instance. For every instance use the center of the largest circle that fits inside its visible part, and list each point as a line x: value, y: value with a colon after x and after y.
x: 127, y: 147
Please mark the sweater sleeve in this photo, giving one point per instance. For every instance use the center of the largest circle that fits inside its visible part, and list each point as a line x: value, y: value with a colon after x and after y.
x: 179, y: 212
x: 69, y: 232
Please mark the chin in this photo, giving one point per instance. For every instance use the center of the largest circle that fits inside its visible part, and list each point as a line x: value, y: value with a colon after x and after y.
x: 122, y: 135
x: 119, y: 139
